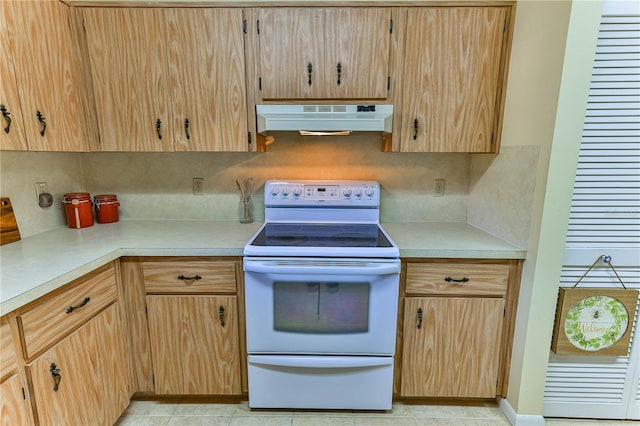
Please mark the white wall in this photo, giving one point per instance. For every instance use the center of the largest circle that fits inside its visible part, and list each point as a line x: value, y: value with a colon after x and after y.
x: 556, y: 172
x: 159, y: 185
x: 19, y: 171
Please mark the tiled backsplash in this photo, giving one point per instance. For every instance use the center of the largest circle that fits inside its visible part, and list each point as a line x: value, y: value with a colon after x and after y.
x: 159, y: 185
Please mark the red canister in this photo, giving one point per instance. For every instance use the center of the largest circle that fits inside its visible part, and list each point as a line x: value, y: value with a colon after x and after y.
x: 106, y: 206
x: 77, y: 206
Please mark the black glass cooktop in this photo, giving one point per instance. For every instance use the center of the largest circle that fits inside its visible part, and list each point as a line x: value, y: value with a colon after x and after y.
x: 321, y: 235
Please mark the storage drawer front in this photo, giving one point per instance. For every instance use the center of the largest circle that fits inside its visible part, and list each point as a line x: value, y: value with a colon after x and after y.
x: 49, y: 321
x: 190, y: 277
x: 457, y: 279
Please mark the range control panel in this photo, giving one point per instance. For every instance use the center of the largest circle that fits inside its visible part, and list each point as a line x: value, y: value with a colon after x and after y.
x: 319, y: 193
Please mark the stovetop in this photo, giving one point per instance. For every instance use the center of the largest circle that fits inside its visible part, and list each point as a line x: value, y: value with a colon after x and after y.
x: 322, y: 218
x: 321, y: 235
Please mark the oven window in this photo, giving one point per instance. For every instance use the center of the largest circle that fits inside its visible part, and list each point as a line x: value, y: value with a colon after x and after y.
x: 321, y: 307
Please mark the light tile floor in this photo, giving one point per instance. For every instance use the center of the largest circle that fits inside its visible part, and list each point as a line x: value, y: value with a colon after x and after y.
x: 186, y: 413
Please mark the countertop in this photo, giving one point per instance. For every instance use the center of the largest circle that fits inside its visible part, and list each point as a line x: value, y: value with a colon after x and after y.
x: 34, y: 266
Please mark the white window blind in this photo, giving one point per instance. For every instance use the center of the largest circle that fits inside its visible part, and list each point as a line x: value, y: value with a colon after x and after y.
x: 605, y: 220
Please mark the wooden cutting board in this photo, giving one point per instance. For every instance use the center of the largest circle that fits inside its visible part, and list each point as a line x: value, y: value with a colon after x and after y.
x: 9, y: 231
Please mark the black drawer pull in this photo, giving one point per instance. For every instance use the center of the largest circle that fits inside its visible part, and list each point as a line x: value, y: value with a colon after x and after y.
x: 43, y: 122
x: 7, y: 117
x: 221, y: 315
x: 461, y: 280
x: 73, y: 308
x: 57, y: 378
x: 189, y: 280
x: 419, y: 317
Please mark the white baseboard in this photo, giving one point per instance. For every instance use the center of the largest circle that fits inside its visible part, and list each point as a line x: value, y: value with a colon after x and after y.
x: 519, y: 419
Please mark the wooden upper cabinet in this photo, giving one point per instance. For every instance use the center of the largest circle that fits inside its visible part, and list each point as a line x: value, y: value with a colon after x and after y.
x: 453, y: 82
x: 128, y: 68
x: 291, y: 52
x: 358, y: 41
x: 168, y: 79
x: 12, y: 134
x: 207, y: 79
x: 50, y: 81
x: 318, y: 53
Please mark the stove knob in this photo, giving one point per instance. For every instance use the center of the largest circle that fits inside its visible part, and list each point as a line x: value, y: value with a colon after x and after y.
x: 347, y: 192
x: 359, y: 192
x: 274, y: 191
x: 369, y: 192
x: 297, y: 192
x: 285, y: 192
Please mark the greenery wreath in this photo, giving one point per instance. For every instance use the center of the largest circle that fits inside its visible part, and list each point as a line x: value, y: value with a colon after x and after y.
x: 596, y: 322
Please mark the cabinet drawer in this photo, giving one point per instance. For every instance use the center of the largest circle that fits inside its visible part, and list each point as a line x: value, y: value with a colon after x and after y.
x: 457, y: 279
x: 57, y: 315
x: 7, y: 349
x: 190, y: 276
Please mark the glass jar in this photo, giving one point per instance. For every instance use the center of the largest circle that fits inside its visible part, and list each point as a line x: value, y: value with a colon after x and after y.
x: 246, y: 210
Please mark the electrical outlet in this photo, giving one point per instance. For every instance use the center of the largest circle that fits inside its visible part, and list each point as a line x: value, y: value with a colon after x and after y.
x: 40, y: 188
x: 198, y: 186
x: 438, y: 189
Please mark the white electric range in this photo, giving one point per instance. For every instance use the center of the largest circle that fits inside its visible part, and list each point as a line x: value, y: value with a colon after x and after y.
x: 321, y: 298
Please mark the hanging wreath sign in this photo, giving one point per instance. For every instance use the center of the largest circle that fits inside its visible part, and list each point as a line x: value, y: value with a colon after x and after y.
x: 594, y: 321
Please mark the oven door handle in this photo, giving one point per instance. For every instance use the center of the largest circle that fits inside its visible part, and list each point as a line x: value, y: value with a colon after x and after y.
x: 312, y: 361
x: 324, y: 267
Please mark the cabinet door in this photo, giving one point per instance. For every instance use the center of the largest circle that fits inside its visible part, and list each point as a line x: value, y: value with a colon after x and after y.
x: 49, y: 76
x: 291, y: 40
x: 207, y: 74
x: 454, y: 350
x: 12, y: 134
x: 356, y: 40
x: 128, y: 67
x: 452, y: 78
x: 194, y: 351
x: 13, y: 405
x: 14, y: 408
x: 92, y: 371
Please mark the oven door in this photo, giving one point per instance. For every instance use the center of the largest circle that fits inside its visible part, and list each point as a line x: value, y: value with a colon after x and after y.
x: 321, y: 306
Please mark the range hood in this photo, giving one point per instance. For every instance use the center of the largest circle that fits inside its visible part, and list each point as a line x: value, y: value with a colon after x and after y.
x: 325, y: 119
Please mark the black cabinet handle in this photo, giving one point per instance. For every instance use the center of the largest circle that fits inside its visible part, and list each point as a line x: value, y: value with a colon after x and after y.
x: 158, y: 125
x: 221, y: 315
x: 461, y: 280
x: 420, y: 317
x: 57, y: 378
x: 186, y: 128
x: 6, y: 115
x: 415, y: 129
x: 339, y: 69
x: 42, y: 121
x: 309, y: 71
x: 189, y: 280
x: 73, y: 308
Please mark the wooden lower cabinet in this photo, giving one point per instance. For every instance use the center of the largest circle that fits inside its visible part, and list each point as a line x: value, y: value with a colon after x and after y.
x: 80, y: 380
x: 454, y: 350
x: 456, y: 327
x: 194, y: 344
x: 194, y: 321
x: 14, y: 406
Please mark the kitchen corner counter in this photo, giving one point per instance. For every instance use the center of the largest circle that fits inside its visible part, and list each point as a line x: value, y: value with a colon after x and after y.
x: 36, y: 265
x: 449, y: 240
